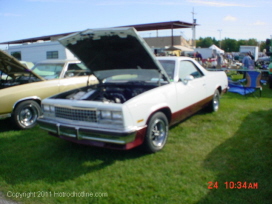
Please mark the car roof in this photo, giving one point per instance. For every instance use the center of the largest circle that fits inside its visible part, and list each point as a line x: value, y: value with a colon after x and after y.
x: 59, y: 61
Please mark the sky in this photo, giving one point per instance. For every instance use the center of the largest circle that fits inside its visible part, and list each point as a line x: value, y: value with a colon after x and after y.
x: 219, y: 19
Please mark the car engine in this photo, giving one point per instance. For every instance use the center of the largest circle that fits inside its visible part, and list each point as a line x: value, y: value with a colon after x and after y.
x: 109, y: 94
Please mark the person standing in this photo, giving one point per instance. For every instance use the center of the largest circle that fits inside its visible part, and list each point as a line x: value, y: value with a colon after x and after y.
x: 199, y: 57
x: 247, y: 61
x: 251, y: 56
x: 230, y: 59
x: 219, y: 60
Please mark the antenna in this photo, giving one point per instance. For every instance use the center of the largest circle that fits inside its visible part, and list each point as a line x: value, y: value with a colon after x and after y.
x: 194, y: 23
x: 220, y: 30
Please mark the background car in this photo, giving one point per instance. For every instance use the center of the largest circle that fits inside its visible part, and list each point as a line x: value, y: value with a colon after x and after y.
x: 22, y: 89
x: 29, y: 65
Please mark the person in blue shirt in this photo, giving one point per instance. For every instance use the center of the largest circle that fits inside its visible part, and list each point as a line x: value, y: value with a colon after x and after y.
x: 247, y: 61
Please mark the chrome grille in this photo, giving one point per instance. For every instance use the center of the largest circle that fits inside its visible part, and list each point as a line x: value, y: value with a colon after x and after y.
x: 76, y: 114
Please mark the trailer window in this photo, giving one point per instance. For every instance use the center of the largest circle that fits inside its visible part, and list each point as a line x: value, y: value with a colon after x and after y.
x: 52, y: 55
x: 17, y: 55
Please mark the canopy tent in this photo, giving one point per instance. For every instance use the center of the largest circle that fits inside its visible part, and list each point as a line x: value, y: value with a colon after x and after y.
x: 183, y: 48
x: 178, y: 49
x: 172, y: 48
x: 214, y: 47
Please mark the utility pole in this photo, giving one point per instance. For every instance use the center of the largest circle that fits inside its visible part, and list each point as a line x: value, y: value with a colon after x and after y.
x: 194, y: 24
x: 220, y: 37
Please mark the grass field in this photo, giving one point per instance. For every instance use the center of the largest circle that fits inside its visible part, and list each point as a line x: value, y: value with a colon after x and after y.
x: 232, y: 145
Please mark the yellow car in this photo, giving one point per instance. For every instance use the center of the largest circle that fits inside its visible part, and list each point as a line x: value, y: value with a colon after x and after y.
x: 22, y: 89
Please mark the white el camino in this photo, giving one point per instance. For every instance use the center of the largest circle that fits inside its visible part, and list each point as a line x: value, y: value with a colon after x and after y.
x: 138, y: 95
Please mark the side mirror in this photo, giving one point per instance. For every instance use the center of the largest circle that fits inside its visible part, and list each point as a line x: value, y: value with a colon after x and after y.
x: 67, y: 75
x: 187, y: 79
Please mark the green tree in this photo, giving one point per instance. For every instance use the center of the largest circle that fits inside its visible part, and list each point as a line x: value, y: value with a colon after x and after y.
x: 229, y: 45
x: 252, y: 42
x: 262, y: 46
x: 205, y: 42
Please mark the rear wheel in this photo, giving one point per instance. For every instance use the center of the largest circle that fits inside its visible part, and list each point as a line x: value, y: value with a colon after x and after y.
x: 215, y: 103
x: 157, y: 133
x: 25, y: 114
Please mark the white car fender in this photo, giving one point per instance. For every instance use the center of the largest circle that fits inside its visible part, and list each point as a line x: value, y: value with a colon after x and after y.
x: 144, y: 105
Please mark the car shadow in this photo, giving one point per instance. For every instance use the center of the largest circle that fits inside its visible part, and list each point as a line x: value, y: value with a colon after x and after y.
x: 245, y: 157
x: 6, y: 125
x: 32, y: 155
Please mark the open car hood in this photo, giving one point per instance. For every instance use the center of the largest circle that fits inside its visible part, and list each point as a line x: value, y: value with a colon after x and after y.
x: 12, y: 67
x: 112, y: 49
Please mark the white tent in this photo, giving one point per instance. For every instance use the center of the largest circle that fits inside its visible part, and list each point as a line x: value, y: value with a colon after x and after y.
x: 214, y: 47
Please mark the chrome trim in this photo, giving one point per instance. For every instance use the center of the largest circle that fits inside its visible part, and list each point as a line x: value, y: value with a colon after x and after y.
x: 58, y: 129
x: 71, y: 107
x: 7, y: 115
x: 27, y: 98
x: 76, y: 114
x: 77, y: 134
x: 86, y: 133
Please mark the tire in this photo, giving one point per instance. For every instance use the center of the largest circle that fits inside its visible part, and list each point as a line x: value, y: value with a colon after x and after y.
x: 25, y: 114
x: 157, y: 133
x: 215, y: 102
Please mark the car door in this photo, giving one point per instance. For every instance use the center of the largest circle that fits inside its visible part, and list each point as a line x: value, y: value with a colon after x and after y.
x: 191, y: 88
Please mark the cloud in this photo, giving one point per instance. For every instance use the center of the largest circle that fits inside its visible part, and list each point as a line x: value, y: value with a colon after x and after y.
x: 230, y: 18
x: 10, y: 14
x: 259, y: 23
x: 217, y: 3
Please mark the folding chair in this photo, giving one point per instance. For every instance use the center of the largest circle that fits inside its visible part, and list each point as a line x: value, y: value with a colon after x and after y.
x: 253, y: 82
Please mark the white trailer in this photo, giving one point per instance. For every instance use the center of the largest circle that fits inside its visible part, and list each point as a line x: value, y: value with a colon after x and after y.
x: 209, y: 52
x: 39, y: 51
x: 205, y: 52
x: 246, y: 48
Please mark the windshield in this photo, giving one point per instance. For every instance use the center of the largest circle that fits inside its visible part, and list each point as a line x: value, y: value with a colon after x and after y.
x: 169, y: 67
x: 129, y: 75
x: 48, y: 71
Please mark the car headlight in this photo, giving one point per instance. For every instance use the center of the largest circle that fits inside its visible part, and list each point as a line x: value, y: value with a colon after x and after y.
x: 110, y: 116
x: 105, y: 114
x: 48, y: 108
x: 117, y: 115
x: 52, y: 108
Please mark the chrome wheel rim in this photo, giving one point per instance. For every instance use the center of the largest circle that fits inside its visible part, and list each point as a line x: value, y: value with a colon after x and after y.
x: 28, y: 116
x: 158, y: 133
x: 216, y: 102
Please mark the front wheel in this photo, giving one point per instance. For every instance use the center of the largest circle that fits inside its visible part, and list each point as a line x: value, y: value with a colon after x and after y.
x: 157, y: 133
x: 25, y: 114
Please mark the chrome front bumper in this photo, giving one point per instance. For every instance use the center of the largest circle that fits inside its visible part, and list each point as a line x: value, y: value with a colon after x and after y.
x: 86, y: 133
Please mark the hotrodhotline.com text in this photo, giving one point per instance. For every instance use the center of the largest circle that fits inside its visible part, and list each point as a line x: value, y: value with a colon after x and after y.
x: 56, y: 194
